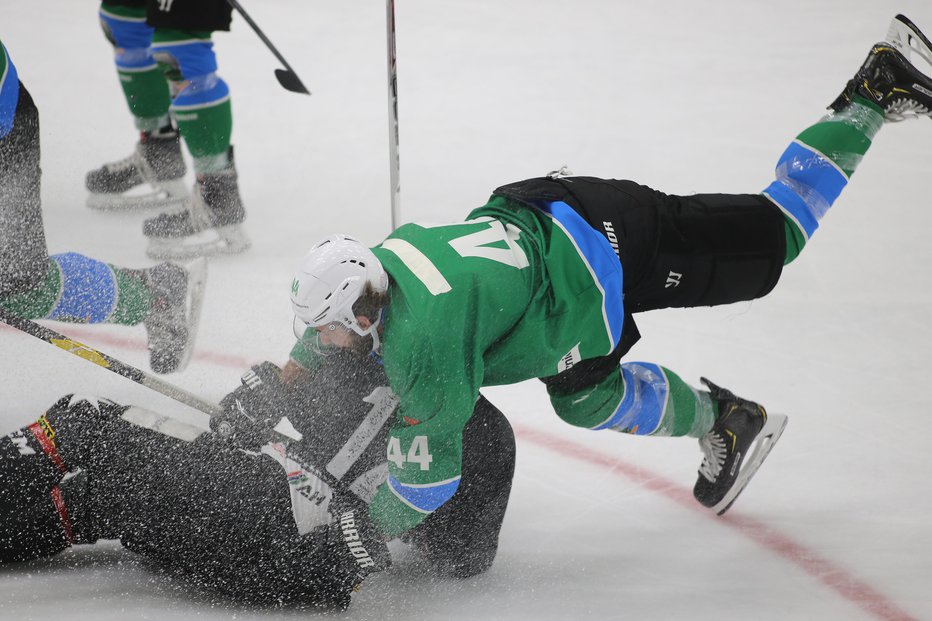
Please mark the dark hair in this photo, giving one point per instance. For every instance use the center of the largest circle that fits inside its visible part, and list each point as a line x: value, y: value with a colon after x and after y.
x: 370, y: 303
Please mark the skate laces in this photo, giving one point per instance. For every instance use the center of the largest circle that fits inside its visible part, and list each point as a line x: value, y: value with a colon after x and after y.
x: 130, y: 161
x: 713, y: 448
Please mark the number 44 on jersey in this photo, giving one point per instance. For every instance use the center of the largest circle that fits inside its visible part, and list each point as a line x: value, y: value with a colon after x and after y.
x: 418, y: 453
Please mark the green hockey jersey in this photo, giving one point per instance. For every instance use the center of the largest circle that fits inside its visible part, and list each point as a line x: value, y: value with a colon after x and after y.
x: 510, y: 294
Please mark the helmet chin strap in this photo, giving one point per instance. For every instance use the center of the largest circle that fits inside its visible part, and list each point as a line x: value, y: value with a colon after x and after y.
x: 372, y: 330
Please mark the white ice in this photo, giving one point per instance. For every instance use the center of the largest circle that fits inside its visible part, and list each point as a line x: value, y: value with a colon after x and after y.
x: 684, y: 96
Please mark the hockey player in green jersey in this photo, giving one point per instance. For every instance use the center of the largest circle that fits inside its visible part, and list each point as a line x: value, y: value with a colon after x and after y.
x: 545, y: 279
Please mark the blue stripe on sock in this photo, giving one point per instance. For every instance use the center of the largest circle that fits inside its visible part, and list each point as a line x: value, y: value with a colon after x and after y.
x: 791, y: 202
x: 127, y: 33
x: 89, y: 291
x: 641, y: 409
x: 200, y: 92
x: 426, y: 499
x: 807, y: 185
x: 135, y: 59
x: 194, y: 58
x: 602, y: 260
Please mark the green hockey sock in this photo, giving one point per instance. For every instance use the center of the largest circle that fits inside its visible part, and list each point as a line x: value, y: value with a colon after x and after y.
x: 842, y: 138
x: 147, y: 96
x: 206, y: 132
x: 37, y: 303
x: 125, y: 300
x: 688, y: 411
x: 133, y: 297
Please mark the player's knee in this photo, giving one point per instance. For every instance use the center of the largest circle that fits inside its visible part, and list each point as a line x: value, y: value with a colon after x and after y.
x: 191, y: 68
x: 130, y: 36
x: 588, y: 408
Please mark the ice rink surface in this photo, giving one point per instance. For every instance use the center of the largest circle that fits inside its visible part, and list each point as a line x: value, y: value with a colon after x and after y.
x: 683, y: 96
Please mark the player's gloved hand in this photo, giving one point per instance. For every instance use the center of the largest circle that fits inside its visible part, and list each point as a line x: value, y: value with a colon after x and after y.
x: 355, y: 547
x: 251, y: 412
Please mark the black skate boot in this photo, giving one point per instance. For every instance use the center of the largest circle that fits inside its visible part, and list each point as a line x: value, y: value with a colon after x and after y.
x: 209, y: 224
x: 175, y: 307
x: 740, y: 439
x: 888, y: 77
x: 152, y: 177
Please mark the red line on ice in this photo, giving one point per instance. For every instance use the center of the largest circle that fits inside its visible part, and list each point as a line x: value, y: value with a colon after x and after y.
x: 833, y: 576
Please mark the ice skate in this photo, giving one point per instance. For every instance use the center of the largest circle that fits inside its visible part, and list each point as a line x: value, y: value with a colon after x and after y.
x: 210, y: 223
x: 889, y: 78
x: 175, y: 309
x: 152, y: 177
x: 741, y: 438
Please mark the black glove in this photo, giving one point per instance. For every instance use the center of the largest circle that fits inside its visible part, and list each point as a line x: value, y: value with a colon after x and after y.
x: 355, y: 546
x: 252, y: 410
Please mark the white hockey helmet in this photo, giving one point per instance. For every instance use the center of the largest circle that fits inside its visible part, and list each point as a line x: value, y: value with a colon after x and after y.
x: 329, y: 280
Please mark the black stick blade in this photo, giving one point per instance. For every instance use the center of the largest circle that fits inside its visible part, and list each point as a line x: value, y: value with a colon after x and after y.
x: 290, y: 81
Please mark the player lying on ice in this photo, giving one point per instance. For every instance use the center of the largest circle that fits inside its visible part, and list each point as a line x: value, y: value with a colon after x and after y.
x: 545, y: 280
x: 232, y: 511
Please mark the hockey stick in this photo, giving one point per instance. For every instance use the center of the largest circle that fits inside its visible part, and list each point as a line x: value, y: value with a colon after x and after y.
x: 287, y: 76
x: 111, y: 364
x: 394, y: 161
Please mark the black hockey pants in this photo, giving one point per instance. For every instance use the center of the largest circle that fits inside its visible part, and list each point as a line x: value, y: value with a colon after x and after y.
x: 675, y: 251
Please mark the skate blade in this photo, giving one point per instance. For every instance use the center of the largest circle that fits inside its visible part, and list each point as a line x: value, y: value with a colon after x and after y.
x: 763, y: 444
x: 197, y: 280
x: 908, y: 39
x: 207, y: 243
x: 168, y: 196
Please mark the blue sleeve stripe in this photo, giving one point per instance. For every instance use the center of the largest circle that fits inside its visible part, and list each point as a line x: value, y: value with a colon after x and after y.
x: 601, y: 260
x: 424, y: 498
x: 9, y: 95
x: 646, y: 392
x: 89, y: 292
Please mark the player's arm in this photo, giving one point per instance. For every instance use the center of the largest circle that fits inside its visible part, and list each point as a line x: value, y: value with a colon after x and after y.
x: 425, y: 445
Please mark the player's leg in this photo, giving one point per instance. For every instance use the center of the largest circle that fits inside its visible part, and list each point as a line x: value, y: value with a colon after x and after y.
x: 817, y: 166
x: 73, y: 287
x: 210, y: 513
x: 678, y: 251
x: 202, y: 109
x: 646, y: 399
x: 23, y: 254
x: 460, y: 539
x: 157, y: 159
x: 167, y: 298
x: 40, y: 508
x: 218, y: 517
